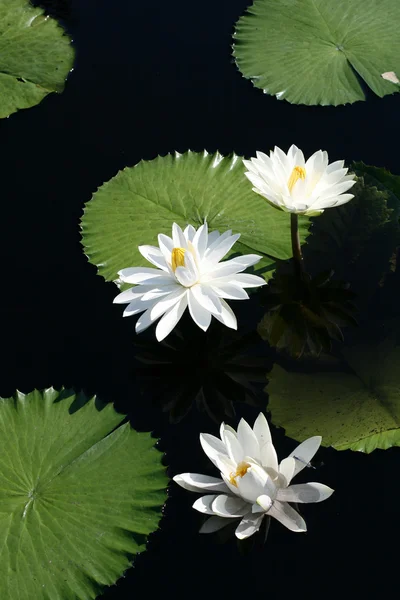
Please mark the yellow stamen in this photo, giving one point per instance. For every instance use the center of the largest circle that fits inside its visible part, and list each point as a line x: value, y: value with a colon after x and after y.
x: 177, y: 258
x: 241, y: 470
x: 297, y: 173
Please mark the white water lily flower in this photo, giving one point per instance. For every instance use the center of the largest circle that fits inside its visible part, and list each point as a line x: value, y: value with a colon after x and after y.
x: 252, y: 483
x: 188, y: 274
x: 293, y: 185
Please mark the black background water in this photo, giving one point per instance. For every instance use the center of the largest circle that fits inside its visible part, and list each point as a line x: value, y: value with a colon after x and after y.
x: 152, y: 78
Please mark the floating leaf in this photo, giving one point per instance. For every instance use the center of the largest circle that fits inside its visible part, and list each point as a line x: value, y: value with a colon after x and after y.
x: 142, y: 201
x: 356, y: 407
x: 35, y: 56
x: 79, y: 493
x: 319, y: 51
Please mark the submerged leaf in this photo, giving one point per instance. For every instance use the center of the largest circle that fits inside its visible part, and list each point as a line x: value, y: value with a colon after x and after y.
x: 355, y: 405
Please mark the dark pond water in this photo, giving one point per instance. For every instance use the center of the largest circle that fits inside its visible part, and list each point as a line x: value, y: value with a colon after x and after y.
x: 151, y: 78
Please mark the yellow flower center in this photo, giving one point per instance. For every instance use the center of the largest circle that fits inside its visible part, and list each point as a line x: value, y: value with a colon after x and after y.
x: 241, y: 470
x: 177, y: 258
x: 297, y: 173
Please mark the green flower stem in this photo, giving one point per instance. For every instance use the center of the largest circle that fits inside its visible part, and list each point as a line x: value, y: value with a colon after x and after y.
x: 296, y: 247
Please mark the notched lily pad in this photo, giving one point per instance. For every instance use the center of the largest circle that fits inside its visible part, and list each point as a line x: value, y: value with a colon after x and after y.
x: 35, y: 56
x: 142, y: 201
x: 319, y: 51
x: 79, y: 493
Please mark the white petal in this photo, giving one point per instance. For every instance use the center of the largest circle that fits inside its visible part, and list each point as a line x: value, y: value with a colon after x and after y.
x: 200, y: 315
x: 187, y: 275
x: 305, y: 492
x: 229, y: 506
x: 195, y: 482
x: 216, y: 241
x: 165, y: 303
x: 229, y: 291
x: 269, y: 459
x: 244, y: 280
x: 224, y: 428
x: 159, y: 292
x: 207, y: 298
x: 155, y: 256
x: 204, y: 503
x: 213, y: 524
x: 213, y: 447
x: 248, y: 525
x: 261, y: 430
x: 305, y: 452
x: 133, y: 293
x: 171, y: 318
x: 189, y: 233
x: 286, y: 470
x: 226, y: 316
x: 137, y: 306
x: 177, y: 237
x: 248, y: 440
x: 144, y: 321
x: 220, y: 249
x: 235, y: 450
x: 136, y: 275
x: 332, y: 202
x: 200, y: 240
x: 233, y: 266
x: 253, y: 484
x: 166, y: 246
x: 286, y: 515
x: 212, y: 237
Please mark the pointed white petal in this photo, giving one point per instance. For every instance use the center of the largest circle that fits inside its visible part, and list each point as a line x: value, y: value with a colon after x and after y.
x: 137, y: 275
x: 200, y: 315
x: 213, y: 524
x: 144, y: 321
x: 162, y: 305
x: 171, y: 318
x: 178, y: 238
x: 204, y: 503
x: 248, y: 440
x: 248, y: 525
x: 224, y: 428
x: 226, y: 316
x: 166, y: 246
x: 195, y: 482
x: 229, y: 291
x: 229, y: 506
x: 286, y: 515
x: 207, y: 298
x: 305, y: 452
x: 305, y: 492
x: 212, y: 237
x: 137, y: 306
x: 286, y: 470
x: 213, y: 447
x: 253, y: 484
x: 133, y: 293
x: 200, y: 240
x: 189, y: 233
x: 155, y: 256
x: 245, y: 280
x: 220, y: 249
x: 269, y: 459
x: 234, y: 449
x: 261, y: 430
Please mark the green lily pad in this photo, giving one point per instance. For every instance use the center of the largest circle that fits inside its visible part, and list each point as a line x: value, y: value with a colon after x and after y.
x: 142, y: 201
x: 35, y: 56
x: 79, y: 493
x: 319, y: 51
x: 356, y: 407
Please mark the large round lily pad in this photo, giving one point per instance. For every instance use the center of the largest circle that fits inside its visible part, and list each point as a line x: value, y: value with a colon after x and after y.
x: 79, y: 493
x: 35, y: 56
x: 142, y: 201
x: 319, y: 51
